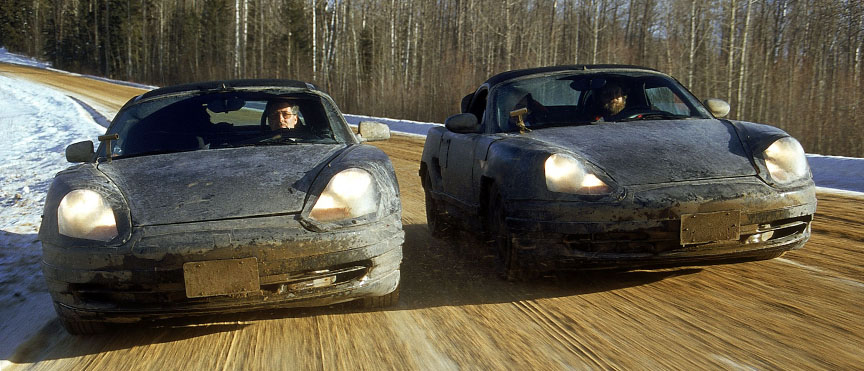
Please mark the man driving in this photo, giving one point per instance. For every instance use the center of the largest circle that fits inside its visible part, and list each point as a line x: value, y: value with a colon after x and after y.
x: 612, y: 102
x: 283, y: 115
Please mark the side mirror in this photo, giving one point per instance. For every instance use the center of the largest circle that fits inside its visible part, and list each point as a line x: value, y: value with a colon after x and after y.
x: 718, y: 107
x: 463, y: 123
x: 371, y: 131
x: 80, y: 152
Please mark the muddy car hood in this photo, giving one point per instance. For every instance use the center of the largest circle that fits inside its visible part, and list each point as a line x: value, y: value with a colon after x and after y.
x: 218, y: 184
x: 650, y: 152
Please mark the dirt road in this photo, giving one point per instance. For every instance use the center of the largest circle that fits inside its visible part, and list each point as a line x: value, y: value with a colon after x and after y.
x: 801, y: 311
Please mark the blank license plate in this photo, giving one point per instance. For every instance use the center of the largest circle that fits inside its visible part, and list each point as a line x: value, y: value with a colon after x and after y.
x: 710, y: 227
x: 221, y: 277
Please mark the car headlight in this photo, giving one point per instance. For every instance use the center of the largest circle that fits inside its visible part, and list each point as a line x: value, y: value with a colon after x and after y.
x: 566, y: 174
x: 85, y: 214
x: 785, y: 160
x: 350, y: 194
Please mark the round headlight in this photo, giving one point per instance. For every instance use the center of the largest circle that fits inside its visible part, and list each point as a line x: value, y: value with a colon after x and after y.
x: 785, y: 160
x: 85, y: 214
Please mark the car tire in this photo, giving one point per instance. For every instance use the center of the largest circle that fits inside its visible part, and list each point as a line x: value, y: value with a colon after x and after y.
x: 381, y: 301
x: 507, y: 263
x: 771, y: 255
x: 75, y: 325
x: 438, y: 227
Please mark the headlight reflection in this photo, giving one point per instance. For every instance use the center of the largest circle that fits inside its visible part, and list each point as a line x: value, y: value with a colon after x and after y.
x: 350, y: 194
x: 785, y: 160
x: 85, y: 214
x: 566, y: 174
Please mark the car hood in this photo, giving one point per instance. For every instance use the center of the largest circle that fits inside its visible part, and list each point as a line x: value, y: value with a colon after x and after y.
x: 650, y: 152
x: 218, y: 184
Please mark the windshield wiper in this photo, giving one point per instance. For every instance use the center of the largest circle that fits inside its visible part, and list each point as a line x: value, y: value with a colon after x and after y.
x: 655, y: 116
x: 151, y: 153
x: 559, y: 124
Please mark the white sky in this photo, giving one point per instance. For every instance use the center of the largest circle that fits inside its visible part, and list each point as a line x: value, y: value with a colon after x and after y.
x: 36, y: 125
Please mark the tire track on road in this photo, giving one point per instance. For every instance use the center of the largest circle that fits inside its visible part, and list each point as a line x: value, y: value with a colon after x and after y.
x: 559, y: 332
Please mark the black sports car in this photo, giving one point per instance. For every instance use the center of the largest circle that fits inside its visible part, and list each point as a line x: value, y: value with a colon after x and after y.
x: 220, y: 197
x: 604, y: 166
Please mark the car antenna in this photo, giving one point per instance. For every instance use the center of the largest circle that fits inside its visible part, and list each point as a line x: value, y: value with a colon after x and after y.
x: 520, y: 123
x: 107, y: 138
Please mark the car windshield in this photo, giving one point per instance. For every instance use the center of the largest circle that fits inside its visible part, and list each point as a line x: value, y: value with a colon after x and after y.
x: 577, y: 99
x: 207, y: 121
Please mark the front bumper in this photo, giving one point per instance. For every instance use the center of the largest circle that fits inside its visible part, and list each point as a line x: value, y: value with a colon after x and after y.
x: 144, y: 278
x: 644, y: 227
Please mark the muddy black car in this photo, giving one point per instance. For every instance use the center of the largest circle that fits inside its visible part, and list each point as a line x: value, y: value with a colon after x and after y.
x: 558, y: 180
x: 198, y: 201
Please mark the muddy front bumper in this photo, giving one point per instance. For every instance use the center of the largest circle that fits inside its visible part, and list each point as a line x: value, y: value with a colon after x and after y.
x: 663, y: 225
x: 225, y: 266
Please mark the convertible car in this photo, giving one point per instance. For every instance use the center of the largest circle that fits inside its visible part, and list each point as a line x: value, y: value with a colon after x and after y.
x: 199, y: 200
x: 558, y: 179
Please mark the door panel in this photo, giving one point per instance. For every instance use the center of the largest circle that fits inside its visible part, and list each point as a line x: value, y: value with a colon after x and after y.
x: 457, y: 159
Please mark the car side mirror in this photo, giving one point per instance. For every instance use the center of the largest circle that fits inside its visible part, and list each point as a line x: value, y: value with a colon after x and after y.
x: 371, y: 131
x: 718, y: 107
x: 80, y: 152
x: 463, y: 123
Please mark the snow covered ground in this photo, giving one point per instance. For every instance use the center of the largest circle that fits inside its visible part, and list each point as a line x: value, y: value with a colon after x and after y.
x: 36, y: 125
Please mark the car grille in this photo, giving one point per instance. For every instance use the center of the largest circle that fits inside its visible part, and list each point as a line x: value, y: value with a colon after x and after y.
x: 667, y: 237
x: 171, y: 288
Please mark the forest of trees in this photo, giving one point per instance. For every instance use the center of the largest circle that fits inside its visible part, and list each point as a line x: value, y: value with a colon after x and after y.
x: 796, y: 64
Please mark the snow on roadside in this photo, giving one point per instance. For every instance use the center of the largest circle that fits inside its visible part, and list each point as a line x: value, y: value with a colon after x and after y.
x: 36, y: 125
x: 407, y: 127
x: 7, y: 57
x: 841, y: 173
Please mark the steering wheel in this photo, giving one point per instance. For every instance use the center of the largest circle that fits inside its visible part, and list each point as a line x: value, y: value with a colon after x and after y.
x: 261, y: 138
x: 636, y: 112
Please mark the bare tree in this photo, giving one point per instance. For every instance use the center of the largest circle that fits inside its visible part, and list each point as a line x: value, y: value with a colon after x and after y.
x: 784, y: 62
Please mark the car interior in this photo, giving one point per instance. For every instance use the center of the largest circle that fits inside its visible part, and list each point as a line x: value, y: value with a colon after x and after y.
x: 573, y: 100
x: 220, y: 121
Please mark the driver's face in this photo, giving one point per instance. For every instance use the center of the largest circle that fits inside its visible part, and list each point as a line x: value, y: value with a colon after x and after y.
x: 282, y: 117
x: 615, y: 104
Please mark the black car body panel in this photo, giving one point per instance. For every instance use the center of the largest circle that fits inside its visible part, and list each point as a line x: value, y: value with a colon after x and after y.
x: 271, y: 180
x: 654, y: 154
x: 672, y: 181
x: 226, y: 222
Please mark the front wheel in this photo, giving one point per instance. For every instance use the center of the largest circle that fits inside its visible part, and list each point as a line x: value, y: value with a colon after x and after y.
x: 507, y: 263
x: 438, y: 227
x: 75, y: 325
x: 381, y: 301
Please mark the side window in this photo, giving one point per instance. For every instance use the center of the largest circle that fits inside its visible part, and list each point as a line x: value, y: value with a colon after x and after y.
x: 662, y: 98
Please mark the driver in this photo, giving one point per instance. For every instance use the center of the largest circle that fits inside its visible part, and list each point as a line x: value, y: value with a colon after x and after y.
x: 283, y: 115
x: 612, y: 102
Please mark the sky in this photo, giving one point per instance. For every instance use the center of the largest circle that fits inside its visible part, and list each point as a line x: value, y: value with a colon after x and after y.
x: 36, y: 125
